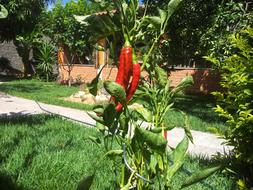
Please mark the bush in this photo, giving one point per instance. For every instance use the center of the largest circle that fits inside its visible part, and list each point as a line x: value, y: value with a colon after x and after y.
x: 236, y: 103
x: 46, y: 59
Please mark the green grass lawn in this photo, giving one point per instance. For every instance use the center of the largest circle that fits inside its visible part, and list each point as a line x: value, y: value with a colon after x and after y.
x: 47, y: 152
x: 47, y: 92
x: 200, y: 112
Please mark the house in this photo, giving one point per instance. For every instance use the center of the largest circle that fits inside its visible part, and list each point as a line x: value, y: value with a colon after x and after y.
x: 206, y: 80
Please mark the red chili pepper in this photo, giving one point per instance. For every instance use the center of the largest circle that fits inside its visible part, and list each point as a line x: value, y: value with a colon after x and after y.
x: 128, y: 65
x: 134, y: 82
x: 125, y: 67
x: 121, y: 69
x: 165, y: 134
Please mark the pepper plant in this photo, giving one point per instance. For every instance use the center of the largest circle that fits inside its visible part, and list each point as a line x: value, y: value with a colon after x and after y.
x: 157, y: 97
x: 147, y: 161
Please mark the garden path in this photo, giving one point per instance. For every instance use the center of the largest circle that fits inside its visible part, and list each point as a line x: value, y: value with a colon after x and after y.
x: 205, y: 144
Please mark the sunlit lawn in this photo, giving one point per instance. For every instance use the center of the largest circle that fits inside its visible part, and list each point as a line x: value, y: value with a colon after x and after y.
x: 47, y: 152
x: 199, y: 110
x: 47, y: 92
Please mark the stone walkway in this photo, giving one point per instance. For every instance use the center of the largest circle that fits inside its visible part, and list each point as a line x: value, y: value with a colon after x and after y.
x: 205, y: 144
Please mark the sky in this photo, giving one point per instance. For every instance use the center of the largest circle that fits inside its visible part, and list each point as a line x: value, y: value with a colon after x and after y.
x: 63, y: 2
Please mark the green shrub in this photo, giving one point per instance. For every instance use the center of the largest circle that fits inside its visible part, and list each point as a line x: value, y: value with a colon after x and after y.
x: 46, y: 59
x: 236, y: 103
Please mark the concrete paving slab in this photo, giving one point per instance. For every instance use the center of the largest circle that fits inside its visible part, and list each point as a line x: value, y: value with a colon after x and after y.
x: 205, y: 144
x: 74, y: 114
x: 11, y: 106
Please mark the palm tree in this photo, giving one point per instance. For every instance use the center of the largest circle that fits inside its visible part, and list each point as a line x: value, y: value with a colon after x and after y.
x: 46, y: 59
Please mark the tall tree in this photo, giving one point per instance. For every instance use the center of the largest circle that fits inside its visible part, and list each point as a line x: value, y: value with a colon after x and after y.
x: 21, y: 21
x: 23, y: 16
x: 200, y: 27
x: 60, y: 25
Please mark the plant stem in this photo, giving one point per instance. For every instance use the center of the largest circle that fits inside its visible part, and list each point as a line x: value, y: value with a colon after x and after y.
x: 122, y: 173
x: 149, y: 53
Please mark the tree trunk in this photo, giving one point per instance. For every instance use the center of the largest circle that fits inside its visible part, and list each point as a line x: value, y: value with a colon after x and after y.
x: 69, y: 78
x: 25, y: 52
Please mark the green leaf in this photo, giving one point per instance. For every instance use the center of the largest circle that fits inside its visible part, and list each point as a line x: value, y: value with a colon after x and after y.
x: 187, y: 127
x: 98, y: 109
x: 167, y: 87
x: 159, y: 129
x: 109, y: 114
x: 99, y: 26
x: 154, y: 21
x: 169, y: 107
x: 178, y: 157
x: 153, y: 163
x: 186, y: 82
x: 155, y: 141
x: 200, y: 175
x: 86, y: 182
x: 163, y: 15
x: 3, y: 12
x: 124, y: 8
x: 144, y: 113
x: 126, y: 187
x: 248, y: 92
x: 116, y: 90
x: 93, y: 86
x: 114, y: 153
x: 172, y: 7
x: 96, y: 118
x: 161, y: 76
x: 95, y: 140
x: 123, y: 122
x: 100, y: 126
x: 160, y: 162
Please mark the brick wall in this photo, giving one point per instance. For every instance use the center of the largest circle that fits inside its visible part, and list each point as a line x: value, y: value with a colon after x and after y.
x: 86, y: 73
x: 205, y: 80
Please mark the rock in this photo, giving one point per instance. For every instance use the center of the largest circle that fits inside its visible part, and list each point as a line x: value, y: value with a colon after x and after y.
x: 79, y: 94
x: 102, y: 98
x: 88, y: 99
